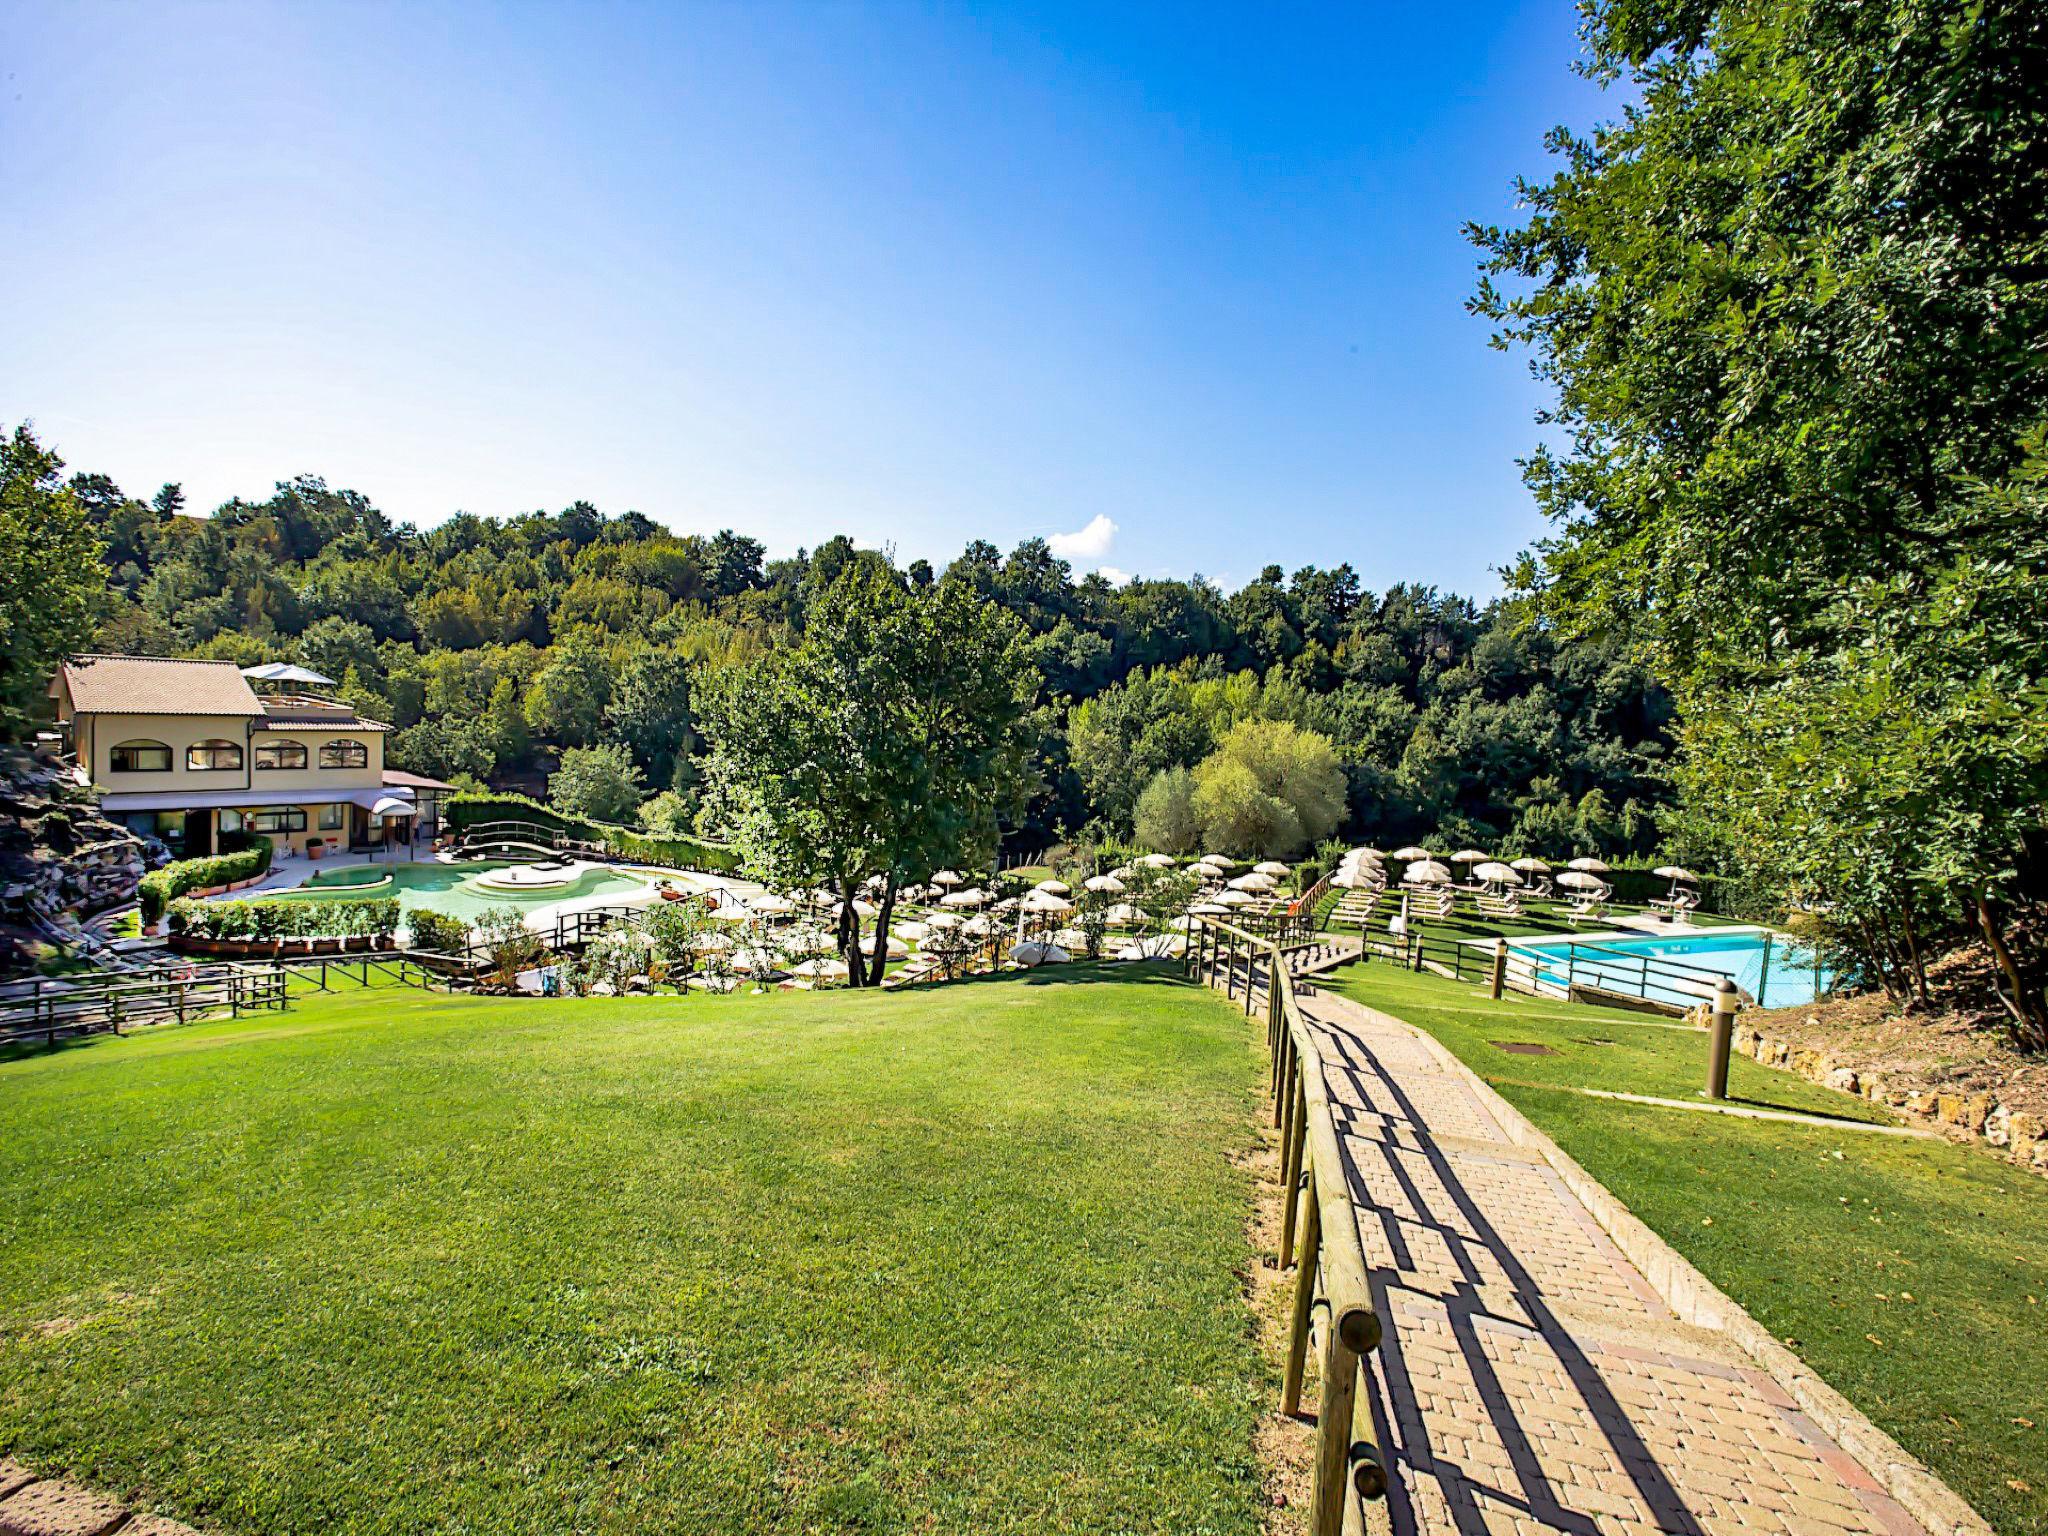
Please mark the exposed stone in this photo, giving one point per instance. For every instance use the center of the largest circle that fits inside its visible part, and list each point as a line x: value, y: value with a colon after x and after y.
x: 58, y: 856
x: 13, y: 1475
x: 156, y: 1525
x: 1976, y: 1110
x: 1843, y: 1079
x: 58, y: 1508
x: 2024, y: 1133
x: 1998, y: 1126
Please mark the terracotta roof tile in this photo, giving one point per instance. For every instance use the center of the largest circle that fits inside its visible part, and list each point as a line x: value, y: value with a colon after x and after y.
x: 157, y: 685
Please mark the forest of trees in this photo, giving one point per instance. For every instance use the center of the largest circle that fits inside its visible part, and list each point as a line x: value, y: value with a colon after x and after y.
x: 1791, y: 309
x: 495, y: 647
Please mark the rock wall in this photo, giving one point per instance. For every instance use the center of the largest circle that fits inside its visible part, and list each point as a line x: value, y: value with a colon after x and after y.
x: 60, y: 860
x: 1967, y: 1116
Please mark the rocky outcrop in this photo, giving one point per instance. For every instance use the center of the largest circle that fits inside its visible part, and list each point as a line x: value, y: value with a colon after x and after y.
x: 61, y: 861
x: 1973, y: 1116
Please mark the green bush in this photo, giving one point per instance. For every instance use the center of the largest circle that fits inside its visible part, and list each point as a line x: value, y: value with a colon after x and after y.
x: 161, y: 887
x: 439, y: 932
x: 464, y: 811
x: 373, y: 917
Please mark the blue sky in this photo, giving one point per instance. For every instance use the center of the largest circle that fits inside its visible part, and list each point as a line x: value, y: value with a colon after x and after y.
x: 916, y: 274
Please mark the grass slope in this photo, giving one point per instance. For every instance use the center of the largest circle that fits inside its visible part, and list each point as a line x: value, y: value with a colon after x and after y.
x: 1912, y: 1274
x: 960, y: 1260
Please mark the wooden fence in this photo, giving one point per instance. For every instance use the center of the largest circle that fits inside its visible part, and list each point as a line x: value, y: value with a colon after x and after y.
x: 1333, y: 1309
x: 58, y: 1008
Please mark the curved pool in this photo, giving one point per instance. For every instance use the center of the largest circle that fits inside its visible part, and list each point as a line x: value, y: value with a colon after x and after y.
x: 454, y: 889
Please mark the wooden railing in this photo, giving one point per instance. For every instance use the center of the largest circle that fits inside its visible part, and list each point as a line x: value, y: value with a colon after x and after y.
x: 528, y: 834
x: 179, y: 994
x: 88, y: 1006
x: 1333, y: 1307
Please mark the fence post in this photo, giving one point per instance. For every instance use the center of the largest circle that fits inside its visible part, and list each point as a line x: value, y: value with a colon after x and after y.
x: 1294, y: 1150
x: 1500, y: 967
x: 1333, y: 1435
x: 1724, y: 1031
x: 1308, y: 1245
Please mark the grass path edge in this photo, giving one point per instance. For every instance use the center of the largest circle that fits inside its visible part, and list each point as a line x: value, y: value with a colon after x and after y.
x: 1698, y: 1301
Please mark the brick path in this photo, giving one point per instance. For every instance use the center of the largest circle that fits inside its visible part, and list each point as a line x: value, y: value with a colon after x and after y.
x: 1534, y: 1380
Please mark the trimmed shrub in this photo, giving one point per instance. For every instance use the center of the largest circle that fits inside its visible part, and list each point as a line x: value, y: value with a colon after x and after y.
x: 463, y: 811
x: 161, y: 887
x: 375, y: 917
x: 438, y: 932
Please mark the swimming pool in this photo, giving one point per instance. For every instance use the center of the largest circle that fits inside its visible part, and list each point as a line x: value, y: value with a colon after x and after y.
x: 1683, y: 968
x: 453, y: 889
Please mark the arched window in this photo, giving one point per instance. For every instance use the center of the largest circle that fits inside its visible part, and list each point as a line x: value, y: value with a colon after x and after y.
x: 343, y: 753
x: 281, y: 754
x: 141, y: 757
x: 213, y: 754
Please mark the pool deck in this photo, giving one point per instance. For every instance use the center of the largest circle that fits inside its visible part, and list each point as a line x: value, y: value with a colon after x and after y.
x: 290, y: 873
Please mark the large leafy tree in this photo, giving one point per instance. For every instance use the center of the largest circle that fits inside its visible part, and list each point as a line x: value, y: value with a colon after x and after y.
x: 55, y: 586
x: 881, y: 747
x: 1794, y: 307
x: 1270, y: 788
x: 1784, y: 303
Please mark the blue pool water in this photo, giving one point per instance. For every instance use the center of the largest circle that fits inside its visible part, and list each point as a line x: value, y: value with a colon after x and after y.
x: 1683, y: 968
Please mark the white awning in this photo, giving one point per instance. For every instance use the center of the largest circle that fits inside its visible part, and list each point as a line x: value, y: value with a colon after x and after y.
x: 389, y: 801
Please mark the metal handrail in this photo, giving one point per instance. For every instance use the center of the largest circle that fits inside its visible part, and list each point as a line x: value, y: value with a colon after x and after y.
x: 1319, y: 1232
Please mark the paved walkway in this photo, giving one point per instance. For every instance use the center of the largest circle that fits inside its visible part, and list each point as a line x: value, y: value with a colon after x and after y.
x: 1534, y: 1379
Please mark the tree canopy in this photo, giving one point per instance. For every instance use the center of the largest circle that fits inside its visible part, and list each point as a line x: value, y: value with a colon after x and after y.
x: 878, y: 749
x: 1792, y: 306
x: 53, y: 594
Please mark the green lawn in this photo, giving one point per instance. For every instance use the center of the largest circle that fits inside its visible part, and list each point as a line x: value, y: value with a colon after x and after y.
x: 1822, y: 1234
x: 960, y: 1260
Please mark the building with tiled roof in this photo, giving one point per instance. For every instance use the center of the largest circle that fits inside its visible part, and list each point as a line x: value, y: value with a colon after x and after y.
x: 187, y: 751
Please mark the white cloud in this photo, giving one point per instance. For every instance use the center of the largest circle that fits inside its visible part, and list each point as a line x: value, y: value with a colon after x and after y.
x: 1089, y: 543
x: 1113, y: 576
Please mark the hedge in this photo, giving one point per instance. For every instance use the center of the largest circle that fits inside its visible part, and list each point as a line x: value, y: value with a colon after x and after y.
x: 286, y: 919
x: 161, y: 887
x: 467, y: 810
x: 439, y: 932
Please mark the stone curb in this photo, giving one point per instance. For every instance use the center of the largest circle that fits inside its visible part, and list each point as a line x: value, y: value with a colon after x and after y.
x: 1697, y: 1300
x: 50, y: 1506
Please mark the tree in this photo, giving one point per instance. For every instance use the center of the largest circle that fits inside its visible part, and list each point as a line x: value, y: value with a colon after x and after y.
x: 504, y: 722
x: 650, y: 712
x: 442, y: 749
x: 600, y: 783
x: 55, y: 589
x: 668, y: 814
x: 567, y: 698
x: 1785, y: 303
x: 1270, y: 788
x: 1792, y: 309
x: 880, y: 747
x: 1166, y: 817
